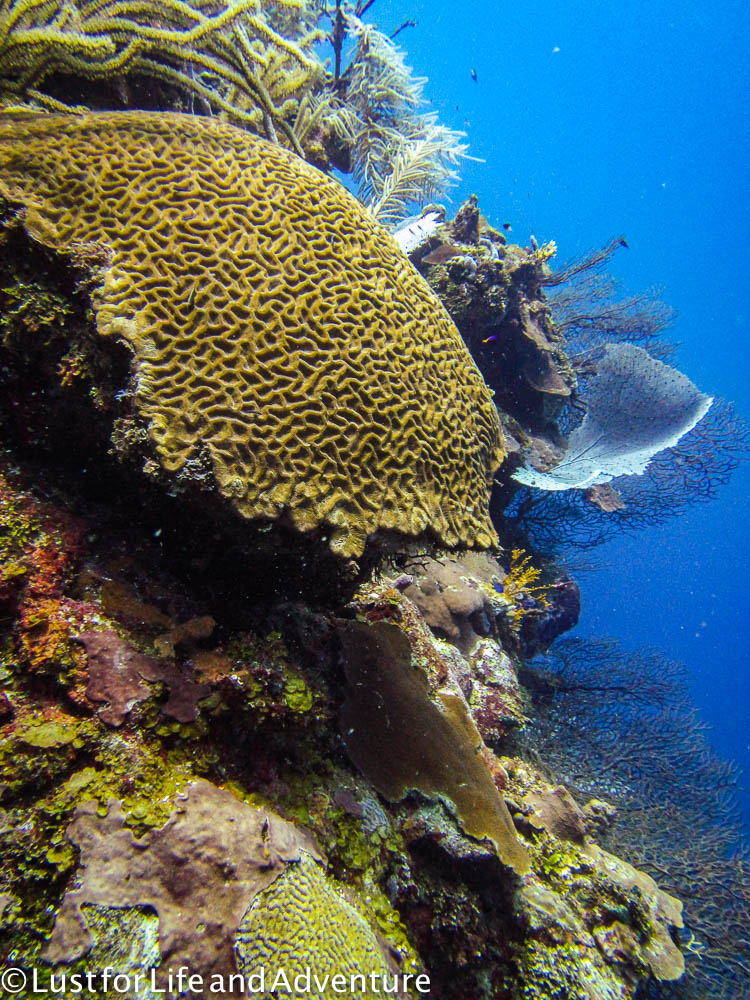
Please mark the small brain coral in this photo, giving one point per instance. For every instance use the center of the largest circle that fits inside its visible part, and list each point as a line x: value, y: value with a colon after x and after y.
x: 300, y: 922
x: 277, y: 330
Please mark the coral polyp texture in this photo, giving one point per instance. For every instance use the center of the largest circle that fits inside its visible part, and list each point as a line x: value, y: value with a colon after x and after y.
x: 279, y: 336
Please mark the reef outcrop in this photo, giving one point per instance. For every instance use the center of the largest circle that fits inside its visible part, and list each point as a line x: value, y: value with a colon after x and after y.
x: 190, y: 774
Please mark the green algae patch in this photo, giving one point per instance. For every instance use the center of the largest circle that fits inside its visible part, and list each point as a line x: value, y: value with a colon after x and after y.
x: 47, y: 735
x: 569, y: 971
x: 402, y: 740
x: 41, y: 750
x: 297, y: 694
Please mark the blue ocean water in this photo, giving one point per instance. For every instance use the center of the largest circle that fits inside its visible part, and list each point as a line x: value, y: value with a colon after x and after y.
x: 599, y: 119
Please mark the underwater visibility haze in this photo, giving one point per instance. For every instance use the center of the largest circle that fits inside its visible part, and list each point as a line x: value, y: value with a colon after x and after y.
x: 373, y: 549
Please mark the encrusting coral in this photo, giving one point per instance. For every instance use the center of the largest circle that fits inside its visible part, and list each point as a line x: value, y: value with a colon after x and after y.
x: 279, y: 335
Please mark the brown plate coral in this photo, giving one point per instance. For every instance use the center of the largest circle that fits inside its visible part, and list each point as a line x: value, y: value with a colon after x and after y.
x: 279, y: 336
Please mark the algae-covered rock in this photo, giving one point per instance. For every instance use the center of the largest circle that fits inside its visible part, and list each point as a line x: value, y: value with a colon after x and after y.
x: 107, y: 827
x: 199, y: 872
x: 494, y: 292
x: 222, y: 887
x: 117, y: 673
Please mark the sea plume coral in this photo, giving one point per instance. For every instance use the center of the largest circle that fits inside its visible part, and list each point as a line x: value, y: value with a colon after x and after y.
x: 400, y: 155
x: 258, y: 64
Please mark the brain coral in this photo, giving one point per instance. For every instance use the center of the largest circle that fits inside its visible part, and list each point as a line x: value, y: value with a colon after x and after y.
x: 278, y: 332
x: 300, y: 922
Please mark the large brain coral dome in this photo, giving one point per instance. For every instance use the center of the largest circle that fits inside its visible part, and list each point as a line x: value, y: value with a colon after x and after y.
x: 277, y: 330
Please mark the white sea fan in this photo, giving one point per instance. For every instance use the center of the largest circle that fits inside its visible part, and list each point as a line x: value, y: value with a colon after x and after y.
x: 636, y: 407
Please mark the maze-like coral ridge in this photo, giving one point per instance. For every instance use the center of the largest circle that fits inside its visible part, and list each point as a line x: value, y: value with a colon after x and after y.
x: 302, y: 922
x: 277, y: 330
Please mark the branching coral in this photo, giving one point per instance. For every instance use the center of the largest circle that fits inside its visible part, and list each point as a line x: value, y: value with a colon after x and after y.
x: 227, y: 55
x: 592, y: 310
x: 400, y: 156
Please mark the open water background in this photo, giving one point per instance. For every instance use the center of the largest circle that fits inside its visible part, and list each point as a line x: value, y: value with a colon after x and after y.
x: 596, y: 119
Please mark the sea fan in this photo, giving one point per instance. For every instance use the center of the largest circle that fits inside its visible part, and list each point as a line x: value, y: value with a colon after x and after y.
x: 636, y: 407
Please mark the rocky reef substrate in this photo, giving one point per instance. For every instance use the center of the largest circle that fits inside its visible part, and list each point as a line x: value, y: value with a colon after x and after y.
x: 227, y: 747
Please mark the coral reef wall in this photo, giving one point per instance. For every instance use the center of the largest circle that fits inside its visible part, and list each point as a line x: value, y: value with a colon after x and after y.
x: 261, y: 707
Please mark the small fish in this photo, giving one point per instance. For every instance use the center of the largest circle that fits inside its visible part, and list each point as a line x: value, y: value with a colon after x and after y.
x: 489, y: 340
x: 191, y: 297
x: 474, y: 76
x: 624, y: 243
x: 507, y: 227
